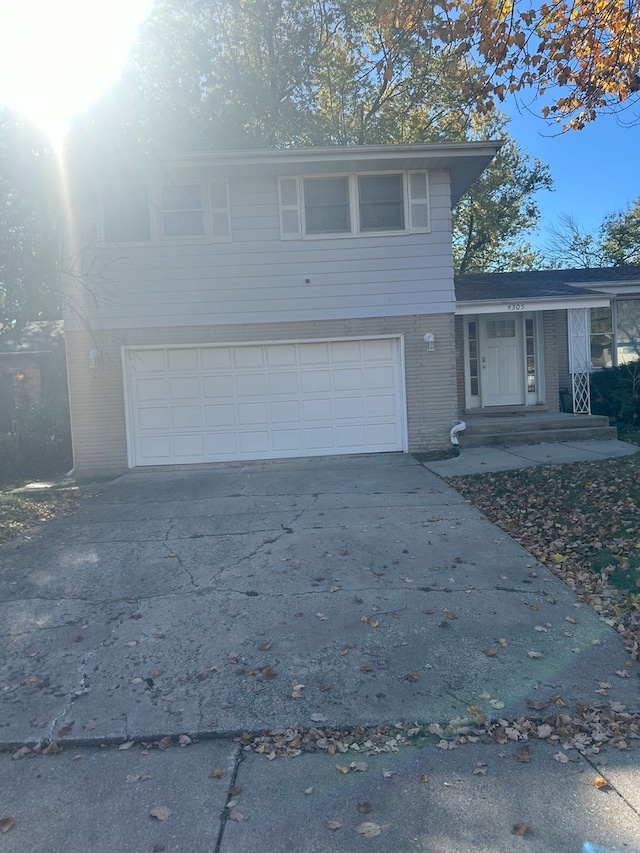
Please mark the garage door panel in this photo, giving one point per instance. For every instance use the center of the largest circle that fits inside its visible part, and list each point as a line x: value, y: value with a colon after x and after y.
x: 219, y: 416
x: 316, y: 410
x: 184, y: 417
x: 248, y: 357
x: 148, y: 390
x: 222, y: 403
x: 349, y: 408
x: 217, y: 387
x: 183, y: 359
x: 348, y: 380
x: 251, y: 384
x: 284, y: 413
x: 154, y: 418
x: 184, y: 388
x: 315, y: 381
x: 287, y: 440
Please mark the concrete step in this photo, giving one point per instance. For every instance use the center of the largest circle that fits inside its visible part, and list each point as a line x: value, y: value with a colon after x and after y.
x: 536, y: 436
x: 509, y: 424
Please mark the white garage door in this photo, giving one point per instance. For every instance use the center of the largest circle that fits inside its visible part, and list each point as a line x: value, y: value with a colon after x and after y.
x: 264, y: 401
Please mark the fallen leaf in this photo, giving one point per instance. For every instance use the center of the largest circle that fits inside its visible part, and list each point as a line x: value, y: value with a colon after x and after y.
x: 521, y: 829
x: 545, y: 730
x: 51, y: 748
x: 309, y: 790
x: 361, y: 766
x: 318, y: 718
x: 534, y: 655
x: 334, y: 824
x: 234, y: 814
x: 342, y: 768
x: 7, y: 823
x: 264, y: 647
x: 127, y: 745
x: 502, y: 641
x: 600, y: 782
x: 217, y: 773
x: 490, y: 652
x: 412, y: 676
x: 571, y: 619
x: 523, y: 754
x: 160, y: 812
x: 184, y: 740
x: 364, y: 808
x: 388, y: 773
x: 63, y: 731
x: 424, y: 777
x: 131, y: 778
x: 369, y: 829
x: 373, y: 623
x: 75, y: 757
x: 561, y: 757
x: 321, y: 616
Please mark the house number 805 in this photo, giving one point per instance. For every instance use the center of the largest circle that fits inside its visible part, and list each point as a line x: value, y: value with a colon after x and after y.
x: 515, y: 306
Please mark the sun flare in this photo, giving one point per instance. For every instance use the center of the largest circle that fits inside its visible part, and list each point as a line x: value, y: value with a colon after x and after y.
x: 58, y: 57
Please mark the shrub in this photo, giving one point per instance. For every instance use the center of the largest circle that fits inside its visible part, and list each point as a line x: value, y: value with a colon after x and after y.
x: 43, y: 438
x: 615, y: 392
x: 11, y: 460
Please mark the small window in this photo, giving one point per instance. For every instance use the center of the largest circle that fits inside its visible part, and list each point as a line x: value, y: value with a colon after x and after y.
x: 326, y: 203
x: 125, y: 214
x: 381, y: 203
x: 182, y: 211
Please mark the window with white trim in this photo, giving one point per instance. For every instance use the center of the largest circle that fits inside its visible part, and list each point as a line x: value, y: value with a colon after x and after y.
x: 343, y: 205
x: 176, y: 212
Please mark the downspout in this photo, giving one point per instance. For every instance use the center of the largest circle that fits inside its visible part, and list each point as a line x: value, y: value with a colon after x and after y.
x: 453, y: 432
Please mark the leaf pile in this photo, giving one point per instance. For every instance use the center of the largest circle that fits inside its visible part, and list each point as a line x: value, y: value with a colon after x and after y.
x: 587, y: 730
x: 582, y: 521
x: 20, y: 511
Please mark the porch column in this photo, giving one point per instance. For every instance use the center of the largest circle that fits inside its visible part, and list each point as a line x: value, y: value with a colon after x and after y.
x: 579, y: 323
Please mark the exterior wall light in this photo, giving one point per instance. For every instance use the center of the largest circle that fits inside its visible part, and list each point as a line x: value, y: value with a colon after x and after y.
x: 430, y: 341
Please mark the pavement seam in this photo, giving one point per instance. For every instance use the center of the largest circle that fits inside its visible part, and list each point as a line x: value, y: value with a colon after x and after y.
x: 611, y: 785
x: 224, y: 816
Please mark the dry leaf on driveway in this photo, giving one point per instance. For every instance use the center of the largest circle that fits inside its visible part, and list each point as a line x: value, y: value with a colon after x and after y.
x: 334, y: 824
x: 6, y: 823
x: 369, y: 829
x: 521, y: 829
x: 160, y: 812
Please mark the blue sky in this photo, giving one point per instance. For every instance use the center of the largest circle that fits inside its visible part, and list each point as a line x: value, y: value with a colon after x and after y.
x: 595, y: 171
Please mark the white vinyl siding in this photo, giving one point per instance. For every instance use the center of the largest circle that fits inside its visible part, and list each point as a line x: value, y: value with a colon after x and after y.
x: 260, y: 278
x: 264, y: 401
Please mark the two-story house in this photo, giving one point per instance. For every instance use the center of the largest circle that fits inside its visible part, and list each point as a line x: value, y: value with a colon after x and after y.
x: 289, y: 303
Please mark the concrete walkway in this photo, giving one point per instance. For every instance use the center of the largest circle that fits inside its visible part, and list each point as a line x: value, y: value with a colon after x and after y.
x: 480, y: 460
x: 324, y: 592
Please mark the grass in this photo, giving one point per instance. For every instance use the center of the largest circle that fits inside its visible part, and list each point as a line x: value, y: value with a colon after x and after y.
x: 20, y: 510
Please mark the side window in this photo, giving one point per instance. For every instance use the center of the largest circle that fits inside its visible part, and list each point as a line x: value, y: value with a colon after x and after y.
x: 125, y: 214
x: 182, y: 211
x: 381, y: 203
x: 326, y: 206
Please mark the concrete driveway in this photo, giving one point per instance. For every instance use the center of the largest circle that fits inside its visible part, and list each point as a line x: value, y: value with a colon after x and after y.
x: 245, y: 597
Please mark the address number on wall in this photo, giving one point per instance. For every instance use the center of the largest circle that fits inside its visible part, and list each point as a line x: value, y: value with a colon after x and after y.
x: 515, y: 306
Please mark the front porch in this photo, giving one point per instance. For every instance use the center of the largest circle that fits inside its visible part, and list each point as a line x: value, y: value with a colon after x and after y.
x: 503, y: 428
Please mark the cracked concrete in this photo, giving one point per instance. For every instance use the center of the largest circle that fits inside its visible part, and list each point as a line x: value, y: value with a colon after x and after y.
x: 191, y: 601
x: 150, y: 610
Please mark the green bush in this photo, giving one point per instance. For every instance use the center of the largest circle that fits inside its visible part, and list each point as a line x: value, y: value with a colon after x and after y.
x: 11, y: 461
x: 615, y: 392
x: 43, y: 437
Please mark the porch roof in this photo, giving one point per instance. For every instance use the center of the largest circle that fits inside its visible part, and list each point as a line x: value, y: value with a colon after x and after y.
x: 539, y: 290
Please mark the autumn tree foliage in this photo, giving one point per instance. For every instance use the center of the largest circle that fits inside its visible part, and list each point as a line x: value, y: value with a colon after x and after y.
x: 582, y: 57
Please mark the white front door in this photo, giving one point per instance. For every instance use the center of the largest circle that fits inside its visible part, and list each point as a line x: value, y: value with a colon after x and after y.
x: 502, y: 373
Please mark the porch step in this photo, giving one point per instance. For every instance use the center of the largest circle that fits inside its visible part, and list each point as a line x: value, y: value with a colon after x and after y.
x: 490, y: 431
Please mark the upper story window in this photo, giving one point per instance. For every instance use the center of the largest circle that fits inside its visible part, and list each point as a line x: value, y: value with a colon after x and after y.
x: 174, y: 212
x: 354, y: 204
